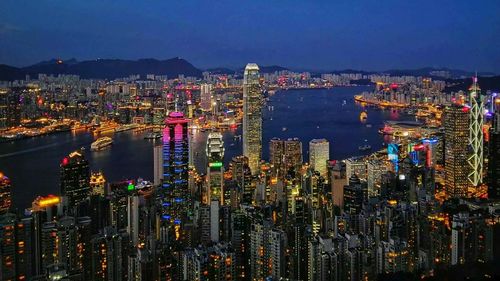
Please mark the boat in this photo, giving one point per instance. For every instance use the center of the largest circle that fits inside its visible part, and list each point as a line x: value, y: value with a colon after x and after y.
x: 101, y: 143
x: 365, y: 147
x: 344, y: 102
x: 126, y: 127
x: 368, y: 125
x: 363, y: 116
x: 152, y: 135
x: 283, y: 129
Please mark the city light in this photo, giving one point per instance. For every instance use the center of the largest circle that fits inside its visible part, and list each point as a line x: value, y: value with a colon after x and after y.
x: 49, y: 201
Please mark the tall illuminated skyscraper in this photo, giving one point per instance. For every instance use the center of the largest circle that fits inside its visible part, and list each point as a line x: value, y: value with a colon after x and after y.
x: 456, y: 126
x: 494, y: 159
x: 252, y: 117
x: 215, y: 169
x: 174, y: 191
x: 5, y: 194
x: 75, y: 178
x: 319, y: 154
x: 206, y: 97
x: 475, y: 159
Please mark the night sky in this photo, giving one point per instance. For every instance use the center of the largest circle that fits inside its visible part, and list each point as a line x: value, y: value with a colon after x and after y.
x: 312, y: 35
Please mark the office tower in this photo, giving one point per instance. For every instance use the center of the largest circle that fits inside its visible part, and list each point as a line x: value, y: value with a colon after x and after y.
x: 355, y: 166
x: 456, y: 125
x: 319, y: 154
x: 214, y: 221
x: 133, y: 205
x: 337, y: 182
x: 354, y: 195
x: 276, y: 149
x: 215, y: 169
x: 494, y: 159
x: 43, y: 210
x: 5, y: 194
x: 118, y: 194
x: 157, y: 164
x: 285, y: 155
x: 476, y: 116
x: 108, y: 250
x: 252, y: 117
x: 75, y: 178
x: 241, y: 173
x: 267, y: 251
x: 15, y: 248
x: 97, y: 184
x: 206, y: 97
x: 174, y: 192
x: 375, y: 169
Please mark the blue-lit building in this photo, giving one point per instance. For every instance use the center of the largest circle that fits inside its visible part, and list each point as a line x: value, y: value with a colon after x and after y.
x: 174, y: 191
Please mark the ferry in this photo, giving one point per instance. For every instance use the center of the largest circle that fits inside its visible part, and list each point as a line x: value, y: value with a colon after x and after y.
x: 364, y: 147
x: 126, y: 127
x: 363, y: 116
x: 101, y: 143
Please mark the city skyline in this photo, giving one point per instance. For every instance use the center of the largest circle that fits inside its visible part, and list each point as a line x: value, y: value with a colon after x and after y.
x: 146, y: 169
x: 303, y: 35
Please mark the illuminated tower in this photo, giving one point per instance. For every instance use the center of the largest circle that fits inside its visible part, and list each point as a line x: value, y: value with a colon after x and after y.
x: 215, y: 170
x: 5, y: 194
x: 75, y: 178
x: 174, y: 192
x: 319, y: 154
x: 494, y: 159
x: 252, y: 117
x: 97, y: 183
x: 475, y: 159
x: 456, y: 126
x: 206, y: 97
x: 285, y: 155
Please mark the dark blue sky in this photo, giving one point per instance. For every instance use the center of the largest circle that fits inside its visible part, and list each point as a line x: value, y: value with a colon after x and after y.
x: 308, y: 34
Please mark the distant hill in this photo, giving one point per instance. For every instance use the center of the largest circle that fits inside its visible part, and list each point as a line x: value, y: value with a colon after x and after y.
x: 103, y: 68
x: 485, y: 83
x: 239, y: 71
x: 10, y: 73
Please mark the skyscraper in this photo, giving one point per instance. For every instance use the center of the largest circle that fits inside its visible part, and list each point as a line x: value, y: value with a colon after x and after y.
x: 494, y: 159
x: 75, y: 178
x: 206, y: 97
x: 475, y: 158
x: 285, y: 155
x: 5, y: 194
x: 456, y: 125
x: 215, y: 169
x: 174, y: 193
x: 252, y: 117
x: 319, y: 154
